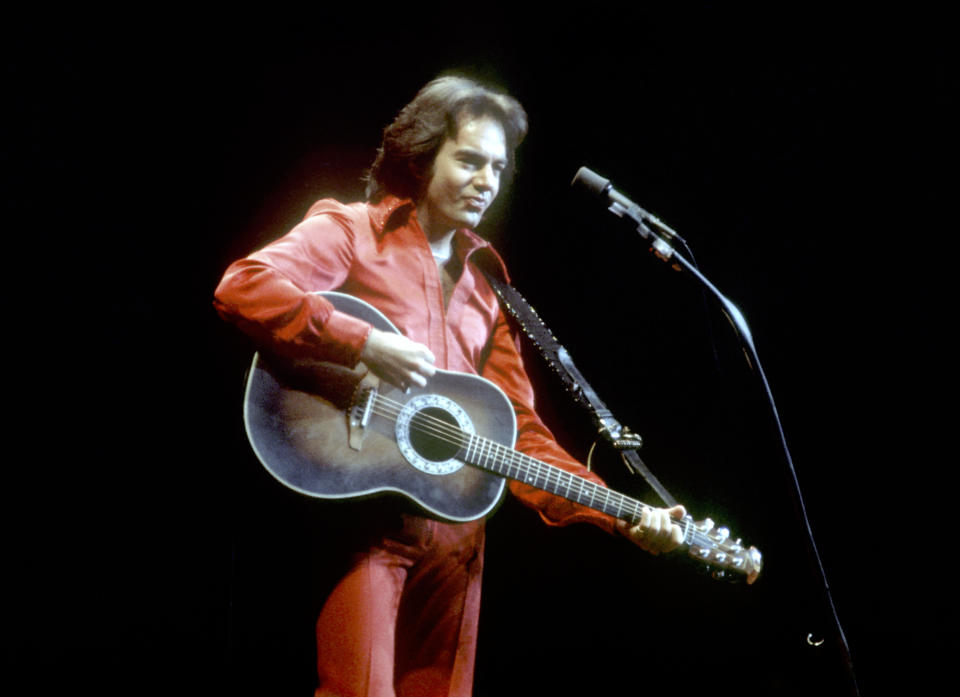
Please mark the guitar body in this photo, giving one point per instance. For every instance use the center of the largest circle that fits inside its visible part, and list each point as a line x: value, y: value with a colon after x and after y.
x: 311, y: 442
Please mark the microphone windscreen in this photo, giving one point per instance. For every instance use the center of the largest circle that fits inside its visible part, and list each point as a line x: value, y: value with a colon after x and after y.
x: 591, y: 181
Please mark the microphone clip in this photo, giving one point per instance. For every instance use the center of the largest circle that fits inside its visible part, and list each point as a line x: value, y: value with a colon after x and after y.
x: 658, y: 244
x: 623, y: 207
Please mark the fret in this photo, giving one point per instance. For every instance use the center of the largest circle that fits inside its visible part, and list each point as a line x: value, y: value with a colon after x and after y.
x: 467, y: 455
x: 488, y: 454
x: 617, y: 507
x: 470, y: 452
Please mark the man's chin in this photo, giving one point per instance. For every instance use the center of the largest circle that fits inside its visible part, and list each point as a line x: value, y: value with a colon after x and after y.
x: 471, y: 220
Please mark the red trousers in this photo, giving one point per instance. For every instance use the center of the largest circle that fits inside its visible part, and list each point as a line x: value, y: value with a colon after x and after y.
x: 403, y: 621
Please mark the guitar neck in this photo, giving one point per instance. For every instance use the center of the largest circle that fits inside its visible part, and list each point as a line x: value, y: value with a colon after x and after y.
x: 512, y: 464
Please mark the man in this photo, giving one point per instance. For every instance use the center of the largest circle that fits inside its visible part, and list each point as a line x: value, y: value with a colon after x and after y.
x: 403, y: 621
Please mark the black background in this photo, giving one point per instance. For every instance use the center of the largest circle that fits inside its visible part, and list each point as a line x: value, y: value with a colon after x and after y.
x: 804, y: 155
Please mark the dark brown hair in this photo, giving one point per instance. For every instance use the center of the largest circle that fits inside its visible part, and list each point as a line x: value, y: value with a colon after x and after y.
x: 410, y: 144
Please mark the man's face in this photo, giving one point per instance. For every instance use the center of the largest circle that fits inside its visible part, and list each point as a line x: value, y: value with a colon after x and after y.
x: 465, y: 177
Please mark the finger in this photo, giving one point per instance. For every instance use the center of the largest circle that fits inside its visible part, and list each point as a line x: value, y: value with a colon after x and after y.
x: 668, y: 532
x: 677, y: 537
x: 666, y: 529
x: 666, y: 522
x: 655, y: 524
x: 677, y: 511
x: 426, y: 369
x: 636, y: 535
x: 419, y: 352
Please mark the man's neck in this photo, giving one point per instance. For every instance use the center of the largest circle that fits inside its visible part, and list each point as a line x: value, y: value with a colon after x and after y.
x: 441, y: 239
x: 442, y: 248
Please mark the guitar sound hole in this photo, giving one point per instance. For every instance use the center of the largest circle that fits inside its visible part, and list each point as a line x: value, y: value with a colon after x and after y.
x: 434, y: 434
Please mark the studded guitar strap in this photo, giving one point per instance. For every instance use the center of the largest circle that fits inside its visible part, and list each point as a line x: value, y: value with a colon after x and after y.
x: 558, y: 359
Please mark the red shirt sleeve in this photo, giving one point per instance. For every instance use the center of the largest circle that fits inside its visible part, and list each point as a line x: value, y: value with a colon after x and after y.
x: 504, y: 366
x: 270, y: 295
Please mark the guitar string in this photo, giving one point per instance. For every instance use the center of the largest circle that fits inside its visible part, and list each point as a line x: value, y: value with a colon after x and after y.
x: 553, y: 476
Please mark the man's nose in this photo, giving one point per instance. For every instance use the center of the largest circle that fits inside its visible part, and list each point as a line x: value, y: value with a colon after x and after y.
x: 485, y: 178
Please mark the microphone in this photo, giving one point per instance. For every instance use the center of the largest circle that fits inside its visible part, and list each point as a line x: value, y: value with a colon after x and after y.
x: 617, y: 202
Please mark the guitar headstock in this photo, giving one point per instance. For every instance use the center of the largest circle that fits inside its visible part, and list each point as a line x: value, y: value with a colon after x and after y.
x: 713, y: 546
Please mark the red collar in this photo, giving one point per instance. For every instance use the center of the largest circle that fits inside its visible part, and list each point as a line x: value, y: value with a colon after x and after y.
x: 392, y: 211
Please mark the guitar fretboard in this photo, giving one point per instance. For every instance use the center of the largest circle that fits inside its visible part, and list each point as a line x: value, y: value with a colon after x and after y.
x: 507, y: 462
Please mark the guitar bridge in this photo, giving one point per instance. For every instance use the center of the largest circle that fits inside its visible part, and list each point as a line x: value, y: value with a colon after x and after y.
x: 359, y: 415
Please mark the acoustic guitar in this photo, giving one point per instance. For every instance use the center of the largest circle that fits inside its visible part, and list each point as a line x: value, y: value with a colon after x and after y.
x: 337, y: 433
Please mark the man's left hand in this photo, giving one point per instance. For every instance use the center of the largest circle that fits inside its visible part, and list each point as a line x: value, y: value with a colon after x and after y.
x: 656, y: 530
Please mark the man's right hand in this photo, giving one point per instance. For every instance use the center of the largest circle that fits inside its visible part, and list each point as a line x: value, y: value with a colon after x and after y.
x: 397, y: 359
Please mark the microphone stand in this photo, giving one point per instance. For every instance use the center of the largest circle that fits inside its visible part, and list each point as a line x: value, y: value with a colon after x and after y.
x: 659, y: 237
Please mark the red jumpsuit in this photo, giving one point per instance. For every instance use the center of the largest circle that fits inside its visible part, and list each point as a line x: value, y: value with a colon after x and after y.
x: 403, y: 621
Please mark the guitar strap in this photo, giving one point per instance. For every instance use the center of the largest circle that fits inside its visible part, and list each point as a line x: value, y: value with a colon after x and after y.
x: 558, y: 359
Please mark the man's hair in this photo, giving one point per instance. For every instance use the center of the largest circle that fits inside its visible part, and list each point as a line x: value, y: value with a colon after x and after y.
x: 405, y: 158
